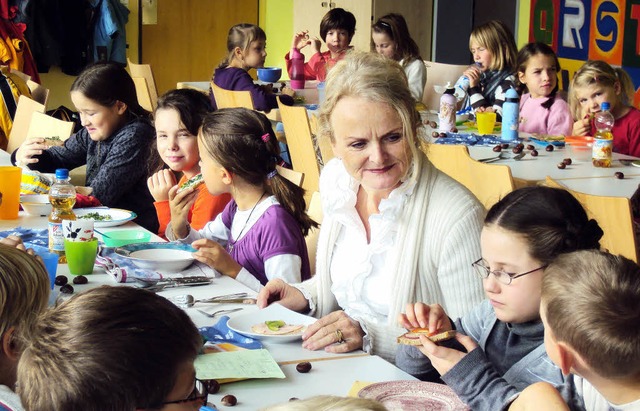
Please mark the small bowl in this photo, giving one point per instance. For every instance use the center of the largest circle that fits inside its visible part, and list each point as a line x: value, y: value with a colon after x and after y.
x: 269, y: 74
x: 125, y: 237
x: 36, y: 204
x: 579, y: 147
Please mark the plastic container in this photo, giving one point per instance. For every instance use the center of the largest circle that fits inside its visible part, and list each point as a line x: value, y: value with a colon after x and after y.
x: 62, y: 196
x: 269, y: 74
x: 602, y: 152
x: 579, y: 148
x: 36, y: 204
x: 125, y: 237
x: 510, y: 116
x: 447, y: 113
x: 297, y: 69
x: 321, y: 93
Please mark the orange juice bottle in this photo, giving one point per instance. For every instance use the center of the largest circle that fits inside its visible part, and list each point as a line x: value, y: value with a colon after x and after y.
x: 62, y: 196
x: 603, y: 140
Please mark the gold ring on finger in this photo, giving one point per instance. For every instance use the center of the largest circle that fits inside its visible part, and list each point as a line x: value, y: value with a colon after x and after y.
x: 339, y: 337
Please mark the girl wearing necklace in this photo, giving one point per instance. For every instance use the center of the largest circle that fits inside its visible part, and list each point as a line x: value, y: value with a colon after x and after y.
x: 260, y: 234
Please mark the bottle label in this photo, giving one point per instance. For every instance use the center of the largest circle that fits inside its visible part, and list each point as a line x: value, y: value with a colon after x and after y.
x: 56, y: 238
x: 602, y: 152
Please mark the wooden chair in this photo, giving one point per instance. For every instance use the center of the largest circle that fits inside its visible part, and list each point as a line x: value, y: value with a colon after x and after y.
x: 488, y: 182
x: 437, y: 75
x: 22, y: 120
x: 324, y: 145
x: 301, y: 148
x: 38, y: 92
x: 143, y: 93
x: 315, y: 212
x: 613, y: 215
x: 144, y: 71
x: 294, y: 176
x: 230, y: 98
x: 43, y: 125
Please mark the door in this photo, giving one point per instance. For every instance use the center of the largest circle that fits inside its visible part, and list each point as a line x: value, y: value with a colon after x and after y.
x: 190, y: 38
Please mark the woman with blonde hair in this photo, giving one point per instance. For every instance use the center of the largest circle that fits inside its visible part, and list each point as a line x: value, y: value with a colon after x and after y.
x: 392, y: 221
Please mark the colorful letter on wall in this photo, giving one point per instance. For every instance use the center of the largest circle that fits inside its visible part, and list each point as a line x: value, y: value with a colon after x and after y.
x: 544, y: 21
x: 607, y: 27
x: 573, y: 33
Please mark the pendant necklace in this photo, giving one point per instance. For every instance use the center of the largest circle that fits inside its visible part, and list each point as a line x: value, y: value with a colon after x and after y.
x: 232, y: 243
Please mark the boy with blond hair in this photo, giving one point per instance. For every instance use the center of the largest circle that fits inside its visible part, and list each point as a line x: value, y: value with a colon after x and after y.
x: 591, y: 312
x: 24, y: 292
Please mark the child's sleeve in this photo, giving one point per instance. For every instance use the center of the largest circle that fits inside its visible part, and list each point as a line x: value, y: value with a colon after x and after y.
x: 499, y: 96
x: 206, y: 207
x: 163, y: 210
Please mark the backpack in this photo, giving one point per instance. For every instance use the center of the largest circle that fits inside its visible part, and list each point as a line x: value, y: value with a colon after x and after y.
x: 66, y: 114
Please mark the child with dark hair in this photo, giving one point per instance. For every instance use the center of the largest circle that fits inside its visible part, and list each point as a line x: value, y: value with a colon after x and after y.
x: 113, y: 143
x: 336, y: 29
x: 112, y: 348
x: 177, y: 118
x: 502, y: 340
x: 541, y: 110
x: 391, y: 38
x: 246, y: 47
x: 590, y: 309
x: 260, y: 234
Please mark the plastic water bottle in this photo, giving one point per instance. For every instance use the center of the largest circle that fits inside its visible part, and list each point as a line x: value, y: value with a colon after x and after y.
x: 62, y: 197
x: 297, y: 69
x: 603, y: 141
x: 510, y: 116
x: 447, y: 114
x: 463, y: 84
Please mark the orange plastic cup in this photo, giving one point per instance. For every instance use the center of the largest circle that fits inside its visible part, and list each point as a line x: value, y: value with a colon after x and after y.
x: 10, y: 178
x: 486, y: 122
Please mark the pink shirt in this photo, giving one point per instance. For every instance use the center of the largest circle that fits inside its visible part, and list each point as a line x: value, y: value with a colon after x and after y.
x: 556, y: 120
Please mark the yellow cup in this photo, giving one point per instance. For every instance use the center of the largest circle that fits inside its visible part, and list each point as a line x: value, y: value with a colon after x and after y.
x: 10, y: 192
x: 486, y: 121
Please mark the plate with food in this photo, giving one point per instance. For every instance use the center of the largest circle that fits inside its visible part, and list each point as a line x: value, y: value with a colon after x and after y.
x: 546, y: 139
x: 274, y: 323
x: 105, y: 217
x: 161, y: 256
x: 414, y: 396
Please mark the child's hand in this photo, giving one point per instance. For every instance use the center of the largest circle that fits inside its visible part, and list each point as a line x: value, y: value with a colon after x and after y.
x: 442, y: 358
x: 420, y: 315
x: 288, y: 91
x: 316, y: 43
x: 267, y: 88
x: 27, y: 150
x: 473, y: 73
x: 300, y: 40
x: 485, y: 110
x: 180, y: 204
x: 160, y: 183
x: 582, y: 127
x: 216, y: 257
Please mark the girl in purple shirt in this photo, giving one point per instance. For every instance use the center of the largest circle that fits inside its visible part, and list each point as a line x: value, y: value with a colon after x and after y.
x: 260, y: 234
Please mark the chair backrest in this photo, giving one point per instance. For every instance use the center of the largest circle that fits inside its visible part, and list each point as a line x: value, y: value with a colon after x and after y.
x: 438, y: 74
x: 315, y: 212
x: 38, y: 92
x: 324, y: 145
x: 230, y: 98
x: 295, y: 177
x: 22, y: 119
x: 144, y: 71
x: 613, y: 215
x: 43, y: 125
x: 301, y: 146
x: 143, y: 94
x: 488, y: 182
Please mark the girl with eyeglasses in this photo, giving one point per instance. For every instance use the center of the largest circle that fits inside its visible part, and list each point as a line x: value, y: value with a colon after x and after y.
x: 499, y: 348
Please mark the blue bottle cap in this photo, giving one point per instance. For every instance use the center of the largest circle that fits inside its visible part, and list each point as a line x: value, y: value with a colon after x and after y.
x: 605, y: 105
x: 62, y: 173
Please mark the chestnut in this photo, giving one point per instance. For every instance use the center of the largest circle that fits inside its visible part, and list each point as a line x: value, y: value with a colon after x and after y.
x: 497, y: 148
x: 549, y: 147
x: 619, y: 175
x: 61, y: 280
x: 454, y: 130
x: 229, y: 400
x: 80, y: 279
x: 517, y: 150
x: 212, y: 386
x: 66, y: 289
x: 534, y: 153
x: 567, y: 161
x: 562, y: 166
x: 505, y: 145
x: 433, y: 124
x: 303, y: 367
x: 435, y: 134
x: 530, y: 147
x: 443, y: 134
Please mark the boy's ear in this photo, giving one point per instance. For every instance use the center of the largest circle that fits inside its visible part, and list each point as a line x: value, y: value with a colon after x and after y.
x: 8, y: 344
x: 567, y: 357
x: 227, y: 176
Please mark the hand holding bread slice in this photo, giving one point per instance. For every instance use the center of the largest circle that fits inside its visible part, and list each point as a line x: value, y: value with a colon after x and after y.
x: 413, y: 336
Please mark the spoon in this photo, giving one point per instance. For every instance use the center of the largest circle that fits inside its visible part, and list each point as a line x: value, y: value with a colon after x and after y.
x: 213, y: 314
x: 187, y: 300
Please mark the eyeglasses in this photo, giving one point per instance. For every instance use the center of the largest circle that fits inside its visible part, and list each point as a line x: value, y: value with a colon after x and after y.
x: 199, y: 393
x: 502, y: 276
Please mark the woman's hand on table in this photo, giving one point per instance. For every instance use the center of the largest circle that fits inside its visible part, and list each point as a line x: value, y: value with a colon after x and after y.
x: 335, y: 332
x: 30, y: 148
x: 160, y: 183
x: 284, y: 294
x: 420, y: 315
x: 442, y: 358
x: 215, y: 256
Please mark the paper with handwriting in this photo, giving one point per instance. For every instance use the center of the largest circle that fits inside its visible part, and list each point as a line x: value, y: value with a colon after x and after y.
x: 237, y: 364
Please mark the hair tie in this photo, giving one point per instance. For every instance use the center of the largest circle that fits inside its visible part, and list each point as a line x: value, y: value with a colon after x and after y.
x: 272, y: 174
x: 265, y: 137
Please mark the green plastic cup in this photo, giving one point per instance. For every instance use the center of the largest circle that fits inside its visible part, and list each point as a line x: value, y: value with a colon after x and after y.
x: 81, y: 255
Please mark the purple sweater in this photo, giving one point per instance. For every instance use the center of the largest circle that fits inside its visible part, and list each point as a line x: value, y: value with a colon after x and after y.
x: 232, y: 78
x: 275, y: 233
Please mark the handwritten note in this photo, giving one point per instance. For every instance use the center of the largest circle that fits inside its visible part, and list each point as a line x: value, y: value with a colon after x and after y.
x: 237, y: 364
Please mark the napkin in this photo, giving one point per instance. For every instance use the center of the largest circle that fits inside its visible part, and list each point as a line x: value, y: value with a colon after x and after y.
x: 29, y: 236
x: 469, y: 139
x: 121, y: 269
x: 221, y: 333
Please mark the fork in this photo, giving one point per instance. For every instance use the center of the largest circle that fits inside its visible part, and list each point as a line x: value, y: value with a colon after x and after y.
x: 213, y: 314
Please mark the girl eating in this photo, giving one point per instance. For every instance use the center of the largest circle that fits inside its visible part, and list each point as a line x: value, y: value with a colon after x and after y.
x: 260, y: 234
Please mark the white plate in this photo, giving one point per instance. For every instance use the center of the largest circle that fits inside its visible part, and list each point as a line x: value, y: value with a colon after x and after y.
x: 164, y: 257
x: 118, y: 215
x: 414, y: 396
x: 243, y: 323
